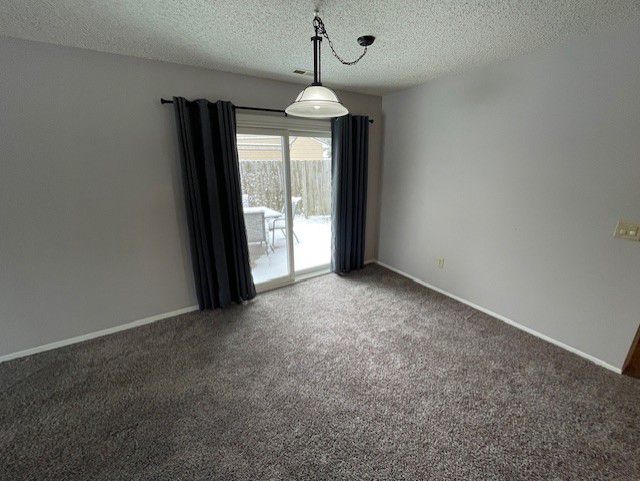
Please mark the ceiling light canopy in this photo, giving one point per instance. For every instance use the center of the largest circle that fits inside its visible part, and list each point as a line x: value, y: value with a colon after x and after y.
x: 317, y: 101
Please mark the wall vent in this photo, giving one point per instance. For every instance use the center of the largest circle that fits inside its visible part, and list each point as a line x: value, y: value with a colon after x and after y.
x: 301, y: 71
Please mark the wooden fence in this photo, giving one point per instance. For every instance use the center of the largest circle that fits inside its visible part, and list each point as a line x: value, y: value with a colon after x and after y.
x: 262, y: 181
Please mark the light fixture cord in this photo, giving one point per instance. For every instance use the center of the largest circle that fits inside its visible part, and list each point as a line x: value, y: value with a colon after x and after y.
x: 318, y: 24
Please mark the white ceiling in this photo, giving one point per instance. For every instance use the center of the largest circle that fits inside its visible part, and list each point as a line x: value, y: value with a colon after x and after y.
x: 416, y: 40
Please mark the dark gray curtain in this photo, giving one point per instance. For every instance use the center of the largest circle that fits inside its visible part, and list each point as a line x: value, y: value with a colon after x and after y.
x: 211, y: 177
x: 349, y: 164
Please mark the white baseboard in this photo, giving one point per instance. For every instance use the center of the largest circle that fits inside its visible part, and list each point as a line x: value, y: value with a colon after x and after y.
x: 515, y: 324
x: 93, y: 335
x: 148, y: 320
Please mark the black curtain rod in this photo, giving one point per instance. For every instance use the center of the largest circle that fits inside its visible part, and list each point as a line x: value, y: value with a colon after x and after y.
x: 239, y: 107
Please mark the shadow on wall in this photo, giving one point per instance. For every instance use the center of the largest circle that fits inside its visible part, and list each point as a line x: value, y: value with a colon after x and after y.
x: 178, y: 196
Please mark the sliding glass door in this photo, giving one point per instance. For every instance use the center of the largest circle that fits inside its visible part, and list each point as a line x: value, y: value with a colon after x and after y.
x: 311, y: 198
x: 286, y: 239
x: 264, y: 178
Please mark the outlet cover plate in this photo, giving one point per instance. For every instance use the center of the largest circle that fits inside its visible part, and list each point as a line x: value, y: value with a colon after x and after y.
x: 627, y: 230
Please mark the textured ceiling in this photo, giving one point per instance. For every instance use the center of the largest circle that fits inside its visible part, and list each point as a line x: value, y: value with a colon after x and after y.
x: 416, y: 40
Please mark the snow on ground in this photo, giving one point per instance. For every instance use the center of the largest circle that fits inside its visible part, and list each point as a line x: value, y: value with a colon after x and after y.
x: 312, y: 250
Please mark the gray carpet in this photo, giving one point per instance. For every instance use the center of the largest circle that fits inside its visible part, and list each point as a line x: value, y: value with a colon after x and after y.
x: 367, y: 377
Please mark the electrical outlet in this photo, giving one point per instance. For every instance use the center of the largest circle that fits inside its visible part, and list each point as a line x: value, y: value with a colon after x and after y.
x: 440, y: 262
x: 627, y: 230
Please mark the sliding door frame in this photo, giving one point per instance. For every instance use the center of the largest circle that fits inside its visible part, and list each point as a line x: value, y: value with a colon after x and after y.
x: 325, y: 268
x: 289, y: 278
x: 287, y: 203
x: 284, y: 127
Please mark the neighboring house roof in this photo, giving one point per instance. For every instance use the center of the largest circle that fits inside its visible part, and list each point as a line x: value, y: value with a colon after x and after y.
x: 268, y: 148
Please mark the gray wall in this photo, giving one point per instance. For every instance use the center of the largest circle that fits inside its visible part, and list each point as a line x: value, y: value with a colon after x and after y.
x: 516, y: 174
x: 92, y: 228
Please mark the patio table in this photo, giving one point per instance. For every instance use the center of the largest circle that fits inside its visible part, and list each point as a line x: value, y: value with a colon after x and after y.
x: 268, y: 212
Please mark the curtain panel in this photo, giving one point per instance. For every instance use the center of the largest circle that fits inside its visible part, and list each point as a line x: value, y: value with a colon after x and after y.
x: 349, y: 166
x: 211, y: 178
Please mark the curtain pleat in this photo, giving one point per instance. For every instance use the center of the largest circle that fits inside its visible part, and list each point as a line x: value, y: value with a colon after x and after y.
x: 211, y: 180
x: 350, y: 145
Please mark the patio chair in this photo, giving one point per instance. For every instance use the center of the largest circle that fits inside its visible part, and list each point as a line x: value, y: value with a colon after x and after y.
x: 279, y: 223
x: 256, y: 231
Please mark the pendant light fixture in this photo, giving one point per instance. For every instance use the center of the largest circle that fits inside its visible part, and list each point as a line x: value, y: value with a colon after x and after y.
x: 317, y: 101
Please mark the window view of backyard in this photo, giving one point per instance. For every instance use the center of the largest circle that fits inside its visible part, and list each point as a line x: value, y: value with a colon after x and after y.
x: 262, y: 176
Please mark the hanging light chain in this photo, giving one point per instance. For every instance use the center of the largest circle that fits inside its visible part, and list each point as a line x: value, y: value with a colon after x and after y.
x: 318, y: 24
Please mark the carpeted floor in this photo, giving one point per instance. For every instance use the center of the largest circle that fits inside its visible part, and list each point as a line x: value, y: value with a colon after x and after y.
x: 368, y: 377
